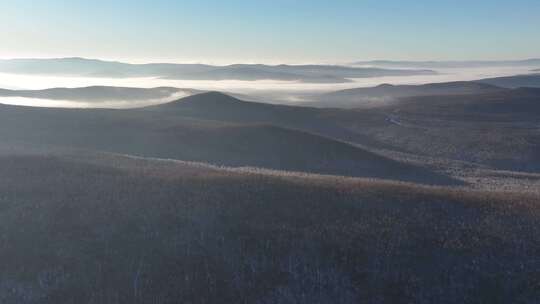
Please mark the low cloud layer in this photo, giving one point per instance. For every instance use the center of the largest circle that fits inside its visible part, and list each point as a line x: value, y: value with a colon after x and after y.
x: 105, y: 103
x: 291, y: 92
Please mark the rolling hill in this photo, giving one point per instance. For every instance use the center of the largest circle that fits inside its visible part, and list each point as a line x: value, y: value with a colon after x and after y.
x: 195, y: 200
x: 250, y: 72
x: 518, y: 81
x: 175, y: 131
x: 497, y: 129
x: 113, y: 229
x: 387, y: 94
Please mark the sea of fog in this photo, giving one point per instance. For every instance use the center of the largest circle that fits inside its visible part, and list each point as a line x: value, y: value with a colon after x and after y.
x: 265, y: 90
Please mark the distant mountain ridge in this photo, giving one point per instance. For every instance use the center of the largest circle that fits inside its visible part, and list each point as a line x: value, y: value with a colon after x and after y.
x: 249, y: 72
x: 450, y: 64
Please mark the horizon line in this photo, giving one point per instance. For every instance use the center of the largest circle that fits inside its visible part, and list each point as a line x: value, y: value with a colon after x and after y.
x: 210, y: 63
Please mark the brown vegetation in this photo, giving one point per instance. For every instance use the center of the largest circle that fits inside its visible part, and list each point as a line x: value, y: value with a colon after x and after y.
x: 104, y: 229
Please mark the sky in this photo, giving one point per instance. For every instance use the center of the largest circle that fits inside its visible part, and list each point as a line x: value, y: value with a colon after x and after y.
x: 277, y: 31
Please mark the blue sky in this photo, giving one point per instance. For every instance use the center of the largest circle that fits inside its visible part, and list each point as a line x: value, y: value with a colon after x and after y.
x: 271, y: 31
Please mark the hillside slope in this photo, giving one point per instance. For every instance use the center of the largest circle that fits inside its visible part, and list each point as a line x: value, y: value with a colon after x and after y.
x: 387, y: 94
x: 518, y: 81
x: 164, y: 134
x: 498, y: 129
x: 108, y: 229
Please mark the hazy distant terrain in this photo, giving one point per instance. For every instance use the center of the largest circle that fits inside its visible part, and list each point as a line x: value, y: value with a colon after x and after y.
x: 518, y: 81
x: 449, y: 64
x: 364, y: 97
x: 283, y: 84
x: 97, y: 68
x: 385, y: 94
x: 94, y: 94
x: 388, y: 194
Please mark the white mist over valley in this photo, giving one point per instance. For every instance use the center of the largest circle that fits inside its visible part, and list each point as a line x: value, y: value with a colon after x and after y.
x: 266, y: 90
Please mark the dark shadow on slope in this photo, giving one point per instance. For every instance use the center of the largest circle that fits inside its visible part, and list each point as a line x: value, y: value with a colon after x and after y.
x: 231, y: 144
